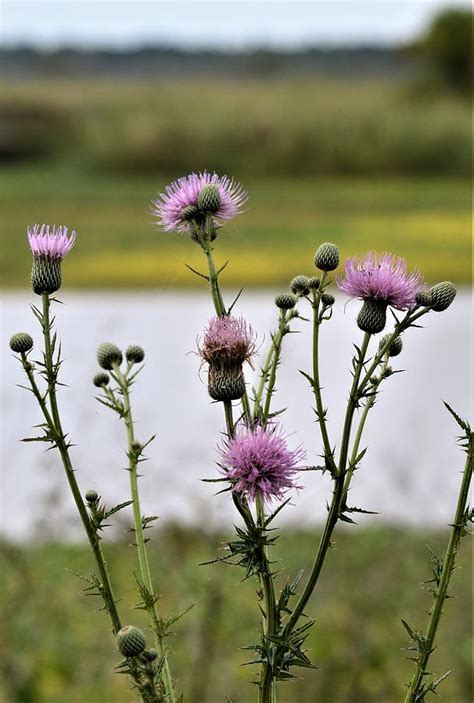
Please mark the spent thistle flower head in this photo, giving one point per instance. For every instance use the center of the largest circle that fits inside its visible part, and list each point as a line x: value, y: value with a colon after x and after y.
x: 192, y: 197
x: 228, y: 341
x: 379, y: 280
x: 258, y: 462
x: 49, y: 245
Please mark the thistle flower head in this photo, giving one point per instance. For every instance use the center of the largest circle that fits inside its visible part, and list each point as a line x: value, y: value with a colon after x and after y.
x: 50, y: 241
x: 382, y: 278
x: 191, y: 196
x: 258, y: 462
x: 228, y: 341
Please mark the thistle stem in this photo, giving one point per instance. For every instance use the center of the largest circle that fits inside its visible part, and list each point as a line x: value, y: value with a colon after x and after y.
x: 441, y: 592
x: 267, y: 686
x: 277, y: 340
x: 337, y: 497
x: 139, y: 535
x: 316, y: 377
x: 54, y: 422
x: 360, y: 430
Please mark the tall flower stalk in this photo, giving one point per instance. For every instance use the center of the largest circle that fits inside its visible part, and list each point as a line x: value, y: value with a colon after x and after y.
x: 423, y: 644
x: 110, y: 358
x: 383, y: 284
x: 49, y: 245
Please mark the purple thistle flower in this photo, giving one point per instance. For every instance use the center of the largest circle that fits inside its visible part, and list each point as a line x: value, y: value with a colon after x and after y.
x: 51, y: 242
x: 184, y: 193
x: 227, y: 341
x: 258, y: 462
x: 383, y: 278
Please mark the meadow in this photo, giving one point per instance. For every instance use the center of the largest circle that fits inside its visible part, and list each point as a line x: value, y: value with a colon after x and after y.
x: 366, y: 164
x: 50, y: 651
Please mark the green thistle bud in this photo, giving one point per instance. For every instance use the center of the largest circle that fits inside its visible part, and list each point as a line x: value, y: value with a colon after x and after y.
x: 21, y: 342
x: 286, y: 301
x: 442, y: 295
x: 131, y: 641
x: 226, y: 384
x: 101, y: 379
x: 136, y: 446
x: 190, y: 212
x: 395, y: 347
x: 423, y: 298
x: 300, y: 284
x: 209, y: 199
x: 108, y: 355
x: 45, y: 275
x: 150, y: 655
x: 372, y: 316
x: 314, y: 283
x: 92, y: 496
x: 327, y: 299
x: 135, y: 354
x: 327, y: 257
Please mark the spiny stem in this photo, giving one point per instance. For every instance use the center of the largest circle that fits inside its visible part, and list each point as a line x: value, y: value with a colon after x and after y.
x: 269, y: 620
x: 316, y: 376
x: 360, y: 429
x: 277, y: 340
x: 54, y: 421
x: 337, y: 497
x: 139, y: 536
x: 441, y: 592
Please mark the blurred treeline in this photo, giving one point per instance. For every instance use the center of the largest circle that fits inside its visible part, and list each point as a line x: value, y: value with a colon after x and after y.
x: 55, y: 648
x: 307, y: 113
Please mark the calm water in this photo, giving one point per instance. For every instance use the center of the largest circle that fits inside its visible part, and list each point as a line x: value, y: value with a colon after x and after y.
x: 410, y: 473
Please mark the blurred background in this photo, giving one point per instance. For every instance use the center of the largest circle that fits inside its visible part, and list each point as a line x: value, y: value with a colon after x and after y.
x: 345, y: 121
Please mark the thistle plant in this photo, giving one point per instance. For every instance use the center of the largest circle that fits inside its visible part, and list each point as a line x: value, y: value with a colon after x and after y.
x: 422, y: 644
x: 49, y: 245
x: 256, y: 465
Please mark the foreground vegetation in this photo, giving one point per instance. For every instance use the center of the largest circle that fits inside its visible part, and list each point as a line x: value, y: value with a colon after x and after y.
x: 426, y: 220
x: 49, y: 652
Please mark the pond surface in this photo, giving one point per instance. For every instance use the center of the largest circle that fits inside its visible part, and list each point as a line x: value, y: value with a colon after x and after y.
x: 410, y: 474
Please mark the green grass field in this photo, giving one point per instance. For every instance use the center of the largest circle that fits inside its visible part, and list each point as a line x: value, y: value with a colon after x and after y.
x: 426, y: 220
x: 55, y: 649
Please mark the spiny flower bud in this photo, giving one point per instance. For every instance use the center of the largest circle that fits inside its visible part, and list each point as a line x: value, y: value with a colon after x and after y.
x: 327, y: 299
x: 190, y: 212
x: 131, y: 641
x: 136, y: 446
x: 135, y: 354
x: 286, y: 301
x: 314, y: 283
x: 108, y: 355
x: 395, y: 347
x: 150, y: 655
x: 21, y: 342
x: 226, y: 384
x: 209, y: 199
x: 423, y: 298
x: 372, y: 316
x: 45, y: 275
x: 300, y: 284
x: 327, y: 257
x: 101, y: 379
x: 92, y: 496
x: 442, y: 295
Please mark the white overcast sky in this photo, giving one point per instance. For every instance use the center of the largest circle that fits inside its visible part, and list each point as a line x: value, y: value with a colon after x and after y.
x: 222, y: 23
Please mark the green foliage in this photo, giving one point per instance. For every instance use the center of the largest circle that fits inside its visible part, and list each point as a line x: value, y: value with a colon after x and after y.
x: 448, y: 48
x: 357, y: 639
